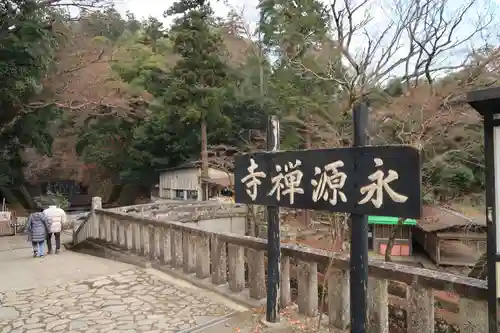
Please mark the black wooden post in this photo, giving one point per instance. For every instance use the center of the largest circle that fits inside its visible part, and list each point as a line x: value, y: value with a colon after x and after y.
x: 491, y: 243
x: 359, y: 236
x: 273, y: 234
x: 486, y: 102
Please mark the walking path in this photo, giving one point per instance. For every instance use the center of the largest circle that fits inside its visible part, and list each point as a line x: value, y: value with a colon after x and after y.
x: 72, y: 292
x: 76, y: 293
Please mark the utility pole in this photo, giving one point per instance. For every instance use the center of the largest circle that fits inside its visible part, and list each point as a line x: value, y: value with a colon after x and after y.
x: 273, y: 235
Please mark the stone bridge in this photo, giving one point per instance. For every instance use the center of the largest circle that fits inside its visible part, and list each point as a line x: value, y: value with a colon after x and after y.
x: 160, y: 268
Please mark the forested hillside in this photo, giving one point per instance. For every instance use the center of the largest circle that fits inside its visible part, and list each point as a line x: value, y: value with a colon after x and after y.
x: 102, y: 97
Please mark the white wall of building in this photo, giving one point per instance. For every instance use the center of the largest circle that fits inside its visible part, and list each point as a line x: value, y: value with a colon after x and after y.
x: 180, y: 184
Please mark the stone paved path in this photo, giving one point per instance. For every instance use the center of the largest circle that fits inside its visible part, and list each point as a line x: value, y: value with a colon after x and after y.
x: 100, y: 296
x: 19, y: 270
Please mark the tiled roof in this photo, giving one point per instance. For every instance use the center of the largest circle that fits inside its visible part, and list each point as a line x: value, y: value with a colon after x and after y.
x: 436, y: 218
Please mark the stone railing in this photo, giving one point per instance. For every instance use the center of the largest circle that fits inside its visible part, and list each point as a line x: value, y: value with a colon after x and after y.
x: 83, y: 231
x: 239, y: 263
x: 168, y: 206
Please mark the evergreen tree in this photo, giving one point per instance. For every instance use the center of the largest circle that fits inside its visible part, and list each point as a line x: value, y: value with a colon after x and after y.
x: 153, y: 32
x: 27, y: 46
x: 200, y: 78
x: 289, y: 28
x: 131, y: 23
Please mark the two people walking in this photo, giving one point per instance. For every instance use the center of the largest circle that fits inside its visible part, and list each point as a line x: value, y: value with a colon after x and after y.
x: 43, y: 226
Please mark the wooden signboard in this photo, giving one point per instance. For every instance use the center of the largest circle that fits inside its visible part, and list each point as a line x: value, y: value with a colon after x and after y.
x: 378, y: 180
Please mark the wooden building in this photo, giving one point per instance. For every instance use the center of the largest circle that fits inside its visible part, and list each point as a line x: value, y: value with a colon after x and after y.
x: 185, y: 182
x: 380, y: 229
x: 451, y: 238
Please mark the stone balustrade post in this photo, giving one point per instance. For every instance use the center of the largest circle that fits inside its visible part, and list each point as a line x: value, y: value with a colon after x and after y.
x: 112, y: 228
x: 219, y: 260
x: 285, y: 290
x: 420, y: 311
x: 338, y: 298
x: 202, y: 256
x: 119, y: 233
x: 176, y: 248
x: 256, y: 273
x: 95, y: 225
x: 142, y: 242
x: 378, y: 305
x: 236, y: 263
x: 135, y: 235
x: 126, y: 235
x: 102, y: 228
x: 188, y: 253
x: 308, y: 288
x: 473, y: 315
x: 107, y: 223
x: 152, y: 243
x: 162, y: 234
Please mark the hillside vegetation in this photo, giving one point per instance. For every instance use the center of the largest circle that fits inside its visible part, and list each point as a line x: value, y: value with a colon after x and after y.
x: 102, y: 98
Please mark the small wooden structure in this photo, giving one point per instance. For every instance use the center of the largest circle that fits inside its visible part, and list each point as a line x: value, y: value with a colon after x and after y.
x: 451, y: 238
x: 8, y: 225
x: 185, y: 182
x: 380, y: 229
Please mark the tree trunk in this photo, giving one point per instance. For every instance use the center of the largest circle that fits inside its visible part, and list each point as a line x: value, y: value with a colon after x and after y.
x: 307, y: 213
x: 392, y: 238
x: 204, y: 160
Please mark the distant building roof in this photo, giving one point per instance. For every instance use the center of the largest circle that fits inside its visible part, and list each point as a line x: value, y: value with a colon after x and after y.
x: 227, y: 181
x: 187, y: 165
x: 222, y: 181
x: 436, y: 218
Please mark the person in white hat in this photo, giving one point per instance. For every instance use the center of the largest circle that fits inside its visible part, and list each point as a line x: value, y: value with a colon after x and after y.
x: 57, y: 217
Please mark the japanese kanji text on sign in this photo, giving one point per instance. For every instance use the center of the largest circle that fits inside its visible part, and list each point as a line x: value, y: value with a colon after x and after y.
x: 366, y: 180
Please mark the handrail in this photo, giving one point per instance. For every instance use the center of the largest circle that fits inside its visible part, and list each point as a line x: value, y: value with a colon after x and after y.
x: 462, y: 285
x: 239, y: 261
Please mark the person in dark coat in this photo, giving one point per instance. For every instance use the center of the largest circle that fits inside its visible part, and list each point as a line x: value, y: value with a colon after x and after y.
x: 38, y: 227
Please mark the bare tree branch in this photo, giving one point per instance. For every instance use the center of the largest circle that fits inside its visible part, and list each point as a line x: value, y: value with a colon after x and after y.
x: 415, y: 42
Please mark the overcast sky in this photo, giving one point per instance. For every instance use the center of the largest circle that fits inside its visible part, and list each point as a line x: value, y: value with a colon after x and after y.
x: 146, y: 8
x: 380, y: 11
